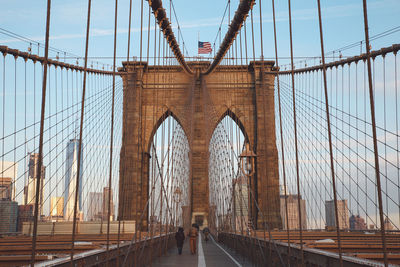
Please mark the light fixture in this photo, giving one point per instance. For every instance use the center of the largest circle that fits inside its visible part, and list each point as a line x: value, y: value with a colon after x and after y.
x: 247, y: 161
x: 178, y: 195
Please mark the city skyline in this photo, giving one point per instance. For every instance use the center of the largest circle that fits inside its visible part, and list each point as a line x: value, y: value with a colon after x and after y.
x: 25, y: 183
x: 86, y: 214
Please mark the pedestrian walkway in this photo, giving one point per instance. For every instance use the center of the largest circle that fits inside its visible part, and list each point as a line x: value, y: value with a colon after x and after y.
x: 209, y: 254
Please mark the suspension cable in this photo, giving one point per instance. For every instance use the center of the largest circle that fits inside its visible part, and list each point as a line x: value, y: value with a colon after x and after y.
x: 237, y: 22
x: 328, y: 121
x: 80, y: 137
x: 281, y: 134
x: 372, y: 107
x: 112, y: 132
x: 295, y: 135
x: 161, y: 16
x: 39, y: 173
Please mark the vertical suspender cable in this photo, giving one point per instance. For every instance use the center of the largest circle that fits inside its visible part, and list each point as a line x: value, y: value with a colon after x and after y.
x: 15, y: 136
x: 42, y: 113
x: 245, y: 43
x: 129, y: 29
x: 228, y: 24
x: 384, y: 126
x: 3, y: 116
x: 170, y: 18
x: 267, y: 216
x: 252, y: 35
x: 397, y: 129
x: 295, y: 134
x: 372, y: 106
x: 251, y: 209
x: 148, y: 38
x: 25, y: 150
x: 142, y: 125
x: 139, y: 143
x: 111, y: 133
x: 261, y: 37
x: 241, y: 49
x: 154, y: 174
x: 127, y: 59
x: 281, y: 132
x: 141, y: 30
x: 80, y: 136
x: 329, y: 135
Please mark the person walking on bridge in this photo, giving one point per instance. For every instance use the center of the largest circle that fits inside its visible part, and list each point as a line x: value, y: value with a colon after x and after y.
x: 180, y: 237
x: 193, y: 233
x: 206, y: 231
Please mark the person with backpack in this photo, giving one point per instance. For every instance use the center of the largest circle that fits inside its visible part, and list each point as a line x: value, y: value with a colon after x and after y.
x: 193, y: 233
x: 206, y: 231
x: 180, y: 238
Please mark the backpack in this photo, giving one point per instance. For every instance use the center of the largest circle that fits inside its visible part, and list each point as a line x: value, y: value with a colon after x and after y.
x: 193, y: 232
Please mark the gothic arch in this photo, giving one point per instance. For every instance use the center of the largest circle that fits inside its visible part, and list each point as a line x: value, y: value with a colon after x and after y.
x: 229, y: 112
x: 158, y: 123
x: 198, y: 104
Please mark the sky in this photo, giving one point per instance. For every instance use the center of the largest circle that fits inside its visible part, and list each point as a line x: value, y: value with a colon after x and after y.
x: 342, y: 20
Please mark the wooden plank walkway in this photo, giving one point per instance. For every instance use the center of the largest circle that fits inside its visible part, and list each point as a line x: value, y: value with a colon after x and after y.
x: 209, y: 254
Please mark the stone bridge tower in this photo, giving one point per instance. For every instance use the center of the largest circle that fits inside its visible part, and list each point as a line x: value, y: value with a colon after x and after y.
x: 198, y: 103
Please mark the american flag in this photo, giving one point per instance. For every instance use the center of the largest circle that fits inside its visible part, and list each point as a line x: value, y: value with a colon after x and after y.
x: 205, y: 47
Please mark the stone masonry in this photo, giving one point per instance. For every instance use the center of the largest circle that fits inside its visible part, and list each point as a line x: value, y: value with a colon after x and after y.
x: 198, y: 103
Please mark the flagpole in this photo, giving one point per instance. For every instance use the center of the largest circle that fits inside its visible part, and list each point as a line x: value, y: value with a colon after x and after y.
x: 198, y: 41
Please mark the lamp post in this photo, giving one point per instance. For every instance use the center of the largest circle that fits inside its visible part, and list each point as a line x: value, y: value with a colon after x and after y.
x: 247, y: 166
x: 247, y: 161
x: 234, y: 204
x: 177, y: 199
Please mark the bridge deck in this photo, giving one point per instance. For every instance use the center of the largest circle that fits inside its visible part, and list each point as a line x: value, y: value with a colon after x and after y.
x: 15, y: 250
x: 208, y: 254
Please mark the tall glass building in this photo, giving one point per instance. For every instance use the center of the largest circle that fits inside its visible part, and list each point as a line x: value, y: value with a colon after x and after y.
x: 71, y: 169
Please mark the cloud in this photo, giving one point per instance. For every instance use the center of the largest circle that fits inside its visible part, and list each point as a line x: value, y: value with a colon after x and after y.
x: 301, y: 14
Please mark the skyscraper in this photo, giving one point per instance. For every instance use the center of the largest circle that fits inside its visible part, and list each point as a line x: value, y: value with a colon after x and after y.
x: 9, y: 169
x: 57, y: 207
x: 71, y: 170
x: 388, y: 224
x: 25, y: 214
x: 8, y: 216
x: 5, y: 188
x: 30, y: 187
x: 94, y: 206
x: 343, y: 214
x: 106, y: 191
x: 357, y: 223
x: 293, y: 212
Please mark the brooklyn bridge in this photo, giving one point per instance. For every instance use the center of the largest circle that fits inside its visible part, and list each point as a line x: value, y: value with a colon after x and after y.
x: 261, y: 158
